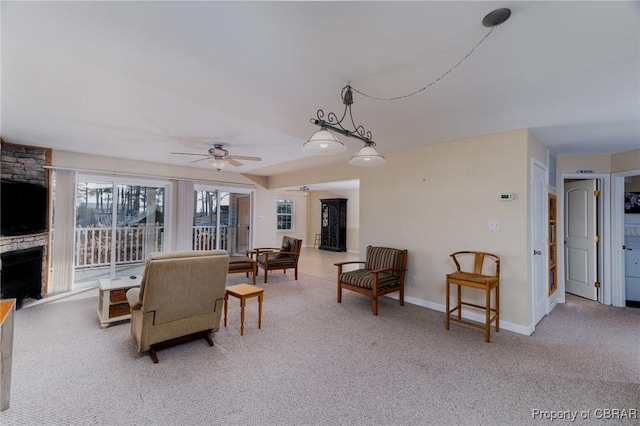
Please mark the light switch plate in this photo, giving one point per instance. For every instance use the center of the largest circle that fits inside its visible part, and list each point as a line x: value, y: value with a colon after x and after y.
x: 494, y: 225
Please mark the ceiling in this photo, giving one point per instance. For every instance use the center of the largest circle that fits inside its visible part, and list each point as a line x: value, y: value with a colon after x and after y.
x: 140, y: 80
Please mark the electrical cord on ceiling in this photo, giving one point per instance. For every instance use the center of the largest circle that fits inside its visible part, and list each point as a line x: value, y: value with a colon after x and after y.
x: 395, y: 98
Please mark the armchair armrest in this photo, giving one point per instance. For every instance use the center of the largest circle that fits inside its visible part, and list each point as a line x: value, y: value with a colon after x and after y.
x: 260, y: 250
x: 133, y: 297
x: 272, y: 253
x: 388, y: 270
x: 349, y: 262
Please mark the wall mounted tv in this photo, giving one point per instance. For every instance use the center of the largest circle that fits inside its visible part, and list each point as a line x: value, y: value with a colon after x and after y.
x: 23, y: 208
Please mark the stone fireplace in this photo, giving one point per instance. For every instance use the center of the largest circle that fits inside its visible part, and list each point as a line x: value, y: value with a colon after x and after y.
x: 25, y: 164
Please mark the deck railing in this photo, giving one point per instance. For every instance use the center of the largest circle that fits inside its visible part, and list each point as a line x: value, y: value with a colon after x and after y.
x: 134, y: 243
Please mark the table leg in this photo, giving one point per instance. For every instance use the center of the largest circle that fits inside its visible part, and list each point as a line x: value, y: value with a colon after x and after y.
x: 243, y: 302
x: 260, y: 310
x: 226, y: 302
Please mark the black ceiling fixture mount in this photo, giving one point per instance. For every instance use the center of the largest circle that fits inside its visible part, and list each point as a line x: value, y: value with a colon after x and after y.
x: 496, y: 17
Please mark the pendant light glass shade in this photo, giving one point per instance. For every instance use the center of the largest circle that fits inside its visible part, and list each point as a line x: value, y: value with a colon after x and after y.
x: 323, y: 142
x: 367, y: 156
x: 218, y: 164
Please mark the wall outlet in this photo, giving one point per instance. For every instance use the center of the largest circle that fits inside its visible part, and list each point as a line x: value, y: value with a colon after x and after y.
x: 494, y: 225
x: 414, y: 279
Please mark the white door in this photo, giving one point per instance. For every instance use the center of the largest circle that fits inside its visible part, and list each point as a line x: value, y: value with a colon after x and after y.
x: 580, y: 238
x: 539, y: 231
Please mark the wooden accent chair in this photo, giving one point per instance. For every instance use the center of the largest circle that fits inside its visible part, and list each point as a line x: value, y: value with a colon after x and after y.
x: 284, y: 257
x: 479, y: 276
x: 181, y: 297
x: 383, y: 273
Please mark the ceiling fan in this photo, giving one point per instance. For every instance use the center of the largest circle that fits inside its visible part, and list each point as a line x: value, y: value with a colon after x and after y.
x: 303, y: 188
x: 219, y: 157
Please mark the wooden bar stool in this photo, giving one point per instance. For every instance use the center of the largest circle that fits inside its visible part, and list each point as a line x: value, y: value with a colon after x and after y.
x: 244, y: 292
x: 477, y: 280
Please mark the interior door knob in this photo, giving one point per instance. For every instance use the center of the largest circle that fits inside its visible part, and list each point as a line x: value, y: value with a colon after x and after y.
x: 537, y: 252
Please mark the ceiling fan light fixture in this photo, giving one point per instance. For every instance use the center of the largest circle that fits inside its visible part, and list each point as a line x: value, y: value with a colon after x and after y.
x: 323, y: 142
x: 218, y: 164
x: 367, y: 156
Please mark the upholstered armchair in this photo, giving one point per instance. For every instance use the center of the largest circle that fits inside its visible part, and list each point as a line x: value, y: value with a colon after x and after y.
x: 181, y: 297
x: 284, y: 257
x: 383, y: 273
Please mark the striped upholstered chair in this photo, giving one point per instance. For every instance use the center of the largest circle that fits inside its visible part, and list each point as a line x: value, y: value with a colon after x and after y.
x: 383, y: 273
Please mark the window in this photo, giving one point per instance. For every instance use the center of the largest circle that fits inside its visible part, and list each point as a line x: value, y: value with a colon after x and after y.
x: 222, y: 219
x: 119, y: 222
x: 284, y: 214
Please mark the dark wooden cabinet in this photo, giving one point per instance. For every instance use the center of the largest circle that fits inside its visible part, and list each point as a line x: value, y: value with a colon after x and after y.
x: 333, y: 224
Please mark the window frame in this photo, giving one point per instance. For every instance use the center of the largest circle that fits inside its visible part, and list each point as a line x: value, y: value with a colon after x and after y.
x: 284, y: 201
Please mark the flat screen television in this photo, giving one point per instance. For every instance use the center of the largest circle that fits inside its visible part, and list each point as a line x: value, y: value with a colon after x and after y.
x: 23, y: 208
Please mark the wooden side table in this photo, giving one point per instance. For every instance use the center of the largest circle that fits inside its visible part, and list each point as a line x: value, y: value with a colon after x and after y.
x: 244, y: 292
x: 112, y: 304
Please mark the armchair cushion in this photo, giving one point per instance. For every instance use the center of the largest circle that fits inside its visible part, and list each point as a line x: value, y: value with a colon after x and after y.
x: 364, y: 279
x: 383, y: 258
x: 285, y: 249
x: 275, y: 259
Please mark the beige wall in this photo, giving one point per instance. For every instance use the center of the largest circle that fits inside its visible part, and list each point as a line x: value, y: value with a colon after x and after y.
x: 439, y: 199
x: 599, y: 163
x: 625, y: 161
x: 571, y: 163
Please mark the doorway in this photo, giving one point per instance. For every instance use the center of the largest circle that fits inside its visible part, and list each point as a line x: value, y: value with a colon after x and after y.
x: 581, y: 238
x: 222, y: 220
x: 586, y: 231
x: 539, y: 269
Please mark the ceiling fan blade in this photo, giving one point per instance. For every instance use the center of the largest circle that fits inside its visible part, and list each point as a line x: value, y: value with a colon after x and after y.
x: 243, y: 157
x: 190, y: 153
x: 200, y: 159
x: 233, y: 162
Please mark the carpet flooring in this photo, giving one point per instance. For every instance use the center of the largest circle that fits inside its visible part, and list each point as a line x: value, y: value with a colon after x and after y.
x: 317, y: 362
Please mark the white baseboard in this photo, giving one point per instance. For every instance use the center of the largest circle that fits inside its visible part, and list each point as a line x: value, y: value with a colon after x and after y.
x: 470, y: 315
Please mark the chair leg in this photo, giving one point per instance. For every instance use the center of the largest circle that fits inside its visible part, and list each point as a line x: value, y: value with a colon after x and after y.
x: 375, y: 305
x: 339, y: 293
x: 498, y: 307
x: 446, y: 311
x: 487, y: 331
x: 208, y: 338
x: 153, y: 355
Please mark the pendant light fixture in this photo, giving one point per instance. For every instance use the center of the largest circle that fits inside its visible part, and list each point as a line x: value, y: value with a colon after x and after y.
x: 323, y: 142
x: 367, y: 156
